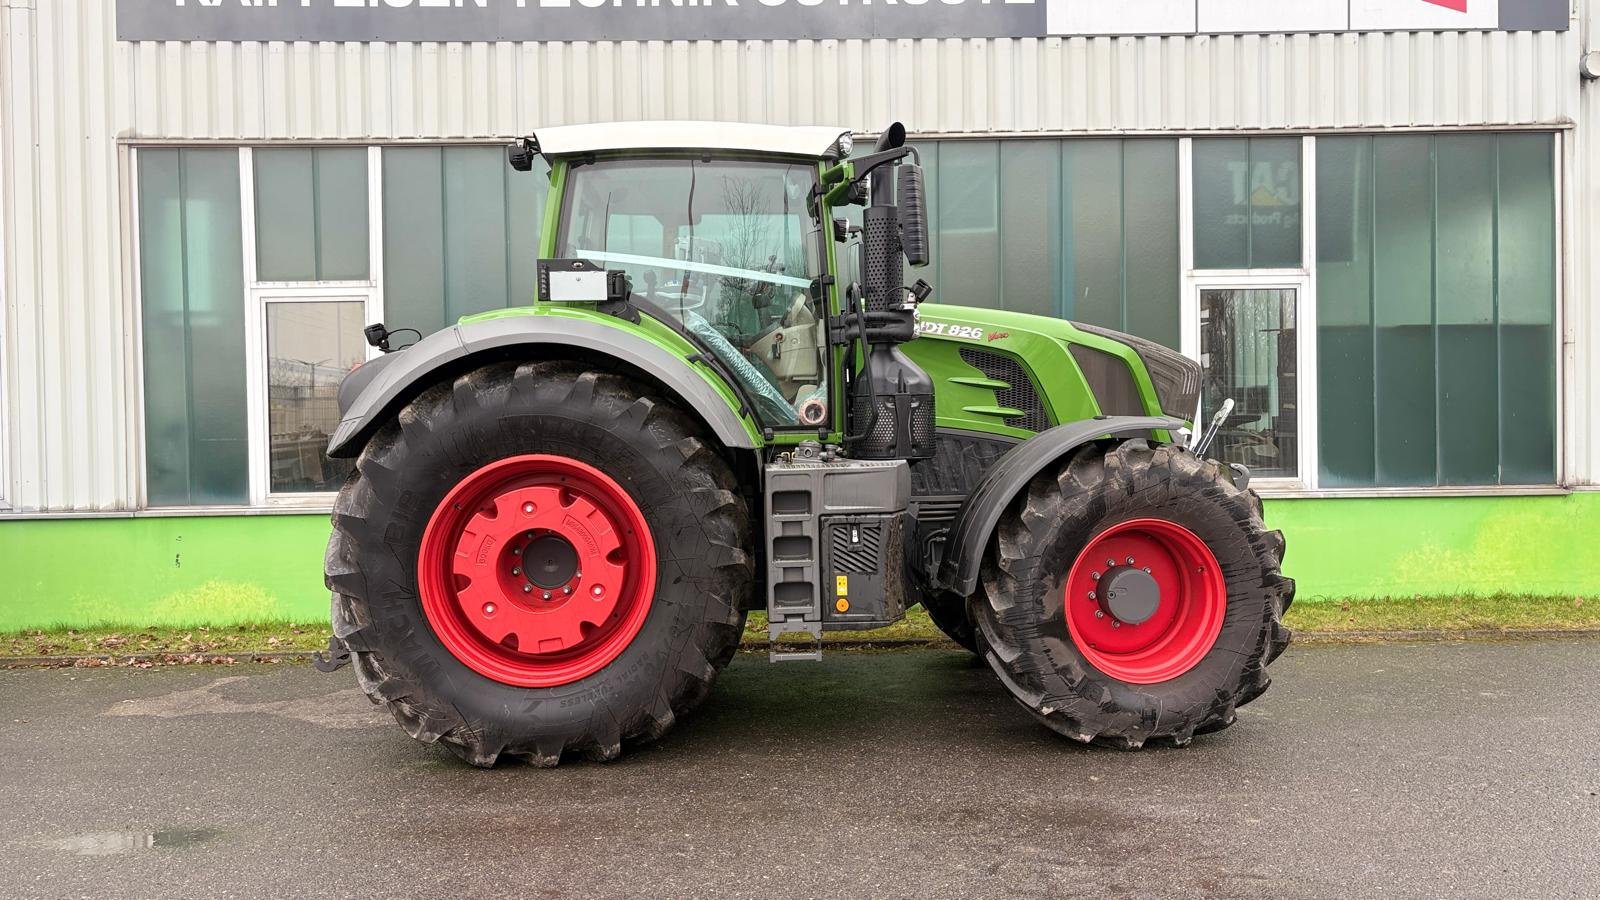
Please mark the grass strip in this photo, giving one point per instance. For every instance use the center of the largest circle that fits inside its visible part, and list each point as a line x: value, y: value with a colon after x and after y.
x: 1369, y: 619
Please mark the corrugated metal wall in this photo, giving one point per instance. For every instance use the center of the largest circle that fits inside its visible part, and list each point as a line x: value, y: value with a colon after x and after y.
x: 68, y: 90
x: 1581, y: 331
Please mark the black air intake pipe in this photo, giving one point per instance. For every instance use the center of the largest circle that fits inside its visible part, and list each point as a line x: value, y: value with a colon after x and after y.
x: 891, y: 401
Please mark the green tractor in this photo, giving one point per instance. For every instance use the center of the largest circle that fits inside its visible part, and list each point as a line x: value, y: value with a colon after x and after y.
x: 726, y: 399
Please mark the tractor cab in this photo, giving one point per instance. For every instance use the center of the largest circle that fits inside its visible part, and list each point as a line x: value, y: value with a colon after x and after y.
x: 736, y: 245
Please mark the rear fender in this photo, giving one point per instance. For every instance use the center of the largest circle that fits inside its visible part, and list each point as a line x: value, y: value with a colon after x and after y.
x: 400, y: 375
x: 974, y: 524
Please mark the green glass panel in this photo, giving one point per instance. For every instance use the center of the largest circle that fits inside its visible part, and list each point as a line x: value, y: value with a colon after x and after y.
x: 1247, y: 203
x: 166, y: 360
x: 1030, y: 188
x: 413, y: 238
x: 1527, y: 265
x: 967, y: 196
x: 1275, y: 193
x: 1469, y: 431
x: 342, y: 224
x: 1150, y: 239
x: 475, y: 230
x: 1091, y: 250
x: 311, y: 214
x: 1222, y: 203
x: 1344, y: 312
x: 286, y: 234
x: 192, y: 295
x: 1404, y: 364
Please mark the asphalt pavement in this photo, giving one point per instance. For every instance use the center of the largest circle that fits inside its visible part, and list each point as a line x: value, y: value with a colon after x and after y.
x: 1421, y: 770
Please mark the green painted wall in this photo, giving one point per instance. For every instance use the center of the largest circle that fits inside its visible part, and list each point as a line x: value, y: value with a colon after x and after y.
x: 162, y: 570
x: 232, y: 569
x: 1432, y: 546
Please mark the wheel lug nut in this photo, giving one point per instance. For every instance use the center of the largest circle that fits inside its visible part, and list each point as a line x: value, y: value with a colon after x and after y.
x: 597, y: 590
x: 1147, y: 570
x: 1095, y: 575
x: 516, y: 571
x: 527, y: 589
x: 488, y: 609
x: 527, y: 508
x: 1091, y: 595
x: 567, y: 589
x: 1099, y: 615
x: 1110, y: 563
x: 1115, y: 624
x: 547, y: 595
x: 1130, y: 560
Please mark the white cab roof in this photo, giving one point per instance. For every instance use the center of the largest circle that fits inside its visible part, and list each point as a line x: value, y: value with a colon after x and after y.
x: 789, y: 140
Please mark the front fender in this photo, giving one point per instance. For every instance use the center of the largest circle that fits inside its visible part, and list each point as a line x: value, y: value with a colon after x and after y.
x: 402, y: 373
x: 976, y: 520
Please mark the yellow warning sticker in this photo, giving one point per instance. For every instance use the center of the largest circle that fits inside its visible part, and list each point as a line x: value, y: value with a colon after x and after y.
x: 841, y: 584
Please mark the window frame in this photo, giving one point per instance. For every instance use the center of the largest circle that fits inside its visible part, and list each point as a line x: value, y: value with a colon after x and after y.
x: 1302, y: 280
x: 261, y: 294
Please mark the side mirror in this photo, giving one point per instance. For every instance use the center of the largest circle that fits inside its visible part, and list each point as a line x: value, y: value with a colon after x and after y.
x: 913, y: 202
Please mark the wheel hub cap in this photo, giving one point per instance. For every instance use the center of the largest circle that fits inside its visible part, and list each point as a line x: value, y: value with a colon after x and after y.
x: 1131, y: 595
x: 536, y: 570
x: 550, y: 560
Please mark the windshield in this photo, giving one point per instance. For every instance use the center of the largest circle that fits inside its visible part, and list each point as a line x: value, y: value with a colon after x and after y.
x: 726, y: 248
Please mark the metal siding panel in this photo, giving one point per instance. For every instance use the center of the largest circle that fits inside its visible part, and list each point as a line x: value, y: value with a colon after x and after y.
x: 70, y: 89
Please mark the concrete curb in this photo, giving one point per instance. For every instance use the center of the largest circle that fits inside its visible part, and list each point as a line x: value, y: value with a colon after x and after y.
x: 93, y: 661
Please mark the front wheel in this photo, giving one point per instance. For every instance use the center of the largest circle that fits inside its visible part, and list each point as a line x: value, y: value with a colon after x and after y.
x: 1133, y: 594
x: 536, y: 560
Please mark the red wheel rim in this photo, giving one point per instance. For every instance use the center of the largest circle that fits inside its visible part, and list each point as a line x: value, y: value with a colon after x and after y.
x: 536, y: 570
x: 1139, y: 640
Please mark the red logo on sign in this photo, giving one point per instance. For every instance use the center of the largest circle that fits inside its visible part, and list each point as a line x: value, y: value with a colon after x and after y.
x: 1457, y: 5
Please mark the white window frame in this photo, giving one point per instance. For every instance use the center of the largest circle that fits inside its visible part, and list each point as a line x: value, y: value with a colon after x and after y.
x: 1302, y: 280
x: 5, y: 356
x: 260, y: 294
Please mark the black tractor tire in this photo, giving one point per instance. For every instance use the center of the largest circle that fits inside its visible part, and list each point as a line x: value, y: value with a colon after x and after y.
x: 1019, y: 609
x: 697, y: 519
x: 949, y: 615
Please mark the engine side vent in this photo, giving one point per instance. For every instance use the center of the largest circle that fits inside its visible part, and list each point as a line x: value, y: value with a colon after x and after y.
x: 1020, y: 392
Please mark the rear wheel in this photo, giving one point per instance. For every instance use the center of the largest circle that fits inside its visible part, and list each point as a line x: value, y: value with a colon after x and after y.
x: 537, y: 559
x: 1133, y: 594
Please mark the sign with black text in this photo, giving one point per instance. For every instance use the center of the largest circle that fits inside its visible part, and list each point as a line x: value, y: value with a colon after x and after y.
x: 613, y: 20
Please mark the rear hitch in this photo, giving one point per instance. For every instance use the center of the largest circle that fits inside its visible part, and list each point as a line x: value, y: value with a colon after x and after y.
x: 336, y: 658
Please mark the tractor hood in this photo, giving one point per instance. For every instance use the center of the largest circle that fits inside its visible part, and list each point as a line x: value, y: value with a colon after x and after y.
x: 978, y: 357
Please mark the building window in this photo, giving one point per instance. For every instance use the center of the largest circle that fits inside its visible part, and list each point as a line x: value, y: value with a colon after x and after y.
x: 1077, y: 229
x: 191, y: 279
x: 311, y: 214
x: 311, y: 346
x: 460, y: 233
x: 1436, y: 287
x: 1247, y: 196
x: 1248, y: 348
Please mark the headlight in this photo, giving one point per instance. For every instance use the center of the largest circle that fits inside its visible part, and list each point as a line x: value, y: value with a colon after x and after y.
x: 841, y: 147
x: 1176, y: 377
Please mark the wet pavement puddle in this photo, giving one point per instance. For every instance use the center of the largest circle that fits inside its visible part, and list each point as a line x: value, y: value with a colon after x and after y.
x: 113, y: 843
x: 338, y: 709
